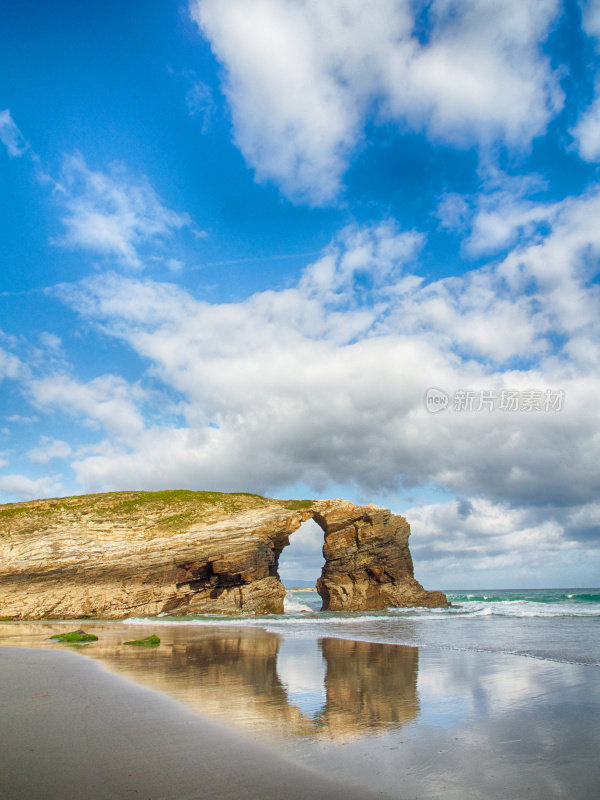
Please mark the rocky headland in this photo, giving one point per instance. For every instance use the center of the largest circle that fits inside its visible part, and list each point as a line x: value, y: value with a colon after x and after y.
x: 180, y: 552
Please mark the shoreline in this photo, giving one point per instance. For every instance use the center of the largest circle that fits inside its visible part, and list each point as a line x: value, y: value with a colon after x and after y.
x: 72, y: 729
x: 243, y: 711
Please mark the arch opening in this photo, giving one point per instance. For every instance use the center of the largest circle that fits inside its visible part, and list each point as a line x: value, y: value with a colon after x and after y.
x: 300, y: 565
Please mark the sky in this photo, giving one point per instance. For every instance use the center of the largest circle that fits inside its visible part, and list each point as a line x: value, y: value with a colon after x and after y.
x: 311, y: 249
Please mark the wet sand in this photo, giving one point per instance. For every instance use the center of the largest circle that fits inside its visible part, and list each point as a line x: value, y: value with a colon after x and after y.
x: 71, y: 730
x: 224, y: 711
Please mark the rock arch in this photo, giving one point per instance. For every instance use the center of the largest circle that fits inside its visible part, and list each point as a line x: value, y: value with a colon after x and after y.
x: 83, y: 559
x: 368, y: 565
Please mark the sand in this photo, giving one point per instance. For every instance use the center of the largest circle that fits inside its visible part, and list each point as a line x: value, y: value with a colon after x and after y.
x: 70, y: 729
x: 233, y: 711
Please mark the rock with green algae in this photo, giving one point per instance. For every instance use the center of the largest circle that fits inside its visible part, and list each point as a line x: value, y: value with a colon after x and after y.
x: 74, y: 636
x: 149, y: 641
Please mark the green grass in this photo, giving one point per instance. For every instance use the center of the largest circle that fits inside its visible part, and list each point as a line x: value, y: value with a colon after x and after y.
x: 179, y: 497
x: 296, y: 505
x: 149, y: 641
x: 7, y: 513
x: 171, y: 510
x: 6, y: 619
x: 75, y: 636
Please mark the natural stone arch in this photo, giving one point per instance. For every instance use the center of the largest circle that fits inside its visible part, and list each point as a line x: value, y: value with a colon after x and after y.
x: 368, y: 565
x: 125, y: 554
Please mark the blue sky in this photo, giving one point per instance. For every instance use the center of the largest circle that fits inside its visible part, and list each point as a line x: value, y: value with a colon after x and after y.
x: 242, y: 241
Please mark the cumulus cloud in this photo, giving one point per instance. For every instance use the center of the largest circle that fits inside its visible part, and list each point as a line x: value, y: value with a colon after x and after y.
x: 112, y: 213
x: 20, y: 487
x: 495, y: 541
x: 303, y: 77
x: 501, y: 215
x: 490, y: 536
x: 303, y: 559
x: 10, y: 135
x: 323, y: 383
x: 109, y: 401
x: 10, y: 365
x: 49, y: 449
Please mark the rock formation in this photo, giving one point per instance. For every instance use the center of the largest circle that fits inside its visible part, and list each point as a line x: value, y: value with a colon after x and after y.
x: 368, y: 565
x: 144, y: 553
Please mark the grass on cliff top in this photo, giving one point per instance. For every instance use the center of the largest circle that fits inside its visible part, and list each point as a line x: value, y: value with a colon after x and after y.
x: 296, y: 505
x: 170, y: 510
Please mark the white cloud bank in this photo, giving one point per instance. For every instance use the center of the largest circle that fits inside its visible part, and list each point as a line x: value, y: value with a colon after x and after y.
x: 304, y: 76
x: 26, y: 488
x: 323, y: 383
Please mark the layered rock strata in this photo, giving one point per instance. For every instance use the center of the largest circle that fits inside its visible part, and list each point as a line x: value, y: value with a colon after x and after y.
x: 145, y: 553
x: 368, y: 565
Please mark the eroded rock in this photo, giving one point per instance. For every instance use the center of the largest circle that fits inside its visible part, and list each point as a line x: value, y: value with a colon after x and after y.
x: 368, y: 565
x: 145, y: 553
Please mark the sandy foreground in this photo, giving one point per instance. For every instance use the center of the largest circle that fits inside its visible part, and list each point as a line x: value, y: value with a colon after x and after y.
x: 69, y: 729
x: 233, y: 711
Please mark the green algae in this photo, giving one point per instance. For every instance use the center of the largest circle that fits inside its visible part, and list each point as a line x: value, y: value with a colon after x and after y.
x: 74, y: 636
x: 149, y: 641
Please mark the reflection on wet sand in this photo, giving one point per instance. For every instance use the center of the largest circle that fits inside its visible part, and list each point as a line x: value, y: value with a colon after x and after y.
x: 233, y: 674
x: 372, y: 686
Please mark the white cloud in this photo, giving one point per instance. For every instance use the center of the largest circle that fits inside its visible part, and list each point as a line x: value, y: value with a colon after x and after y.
x: 20, y: 487
x: 591, y: 17
x: 303, y: 558
x: 586, y: 132
x: 51, y: 342
x: 112, y: 214
x: 323, y: 383
x: 200, y: 103
x: 10, y: 136
x: 108, y: 400
x: 303, y: 77
x: 49, y: 449
x: 487, y: 535
x: 10, y: 365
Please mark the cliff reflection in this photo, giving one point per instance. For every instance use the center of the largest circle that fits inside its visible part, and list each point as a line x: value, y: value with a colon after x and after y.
x: 370, y: 685
x: 332, y: 689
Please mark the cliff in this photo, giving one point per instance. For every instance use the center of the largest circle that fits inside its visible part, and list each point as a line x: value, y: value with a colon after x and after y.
x: 180, y: 552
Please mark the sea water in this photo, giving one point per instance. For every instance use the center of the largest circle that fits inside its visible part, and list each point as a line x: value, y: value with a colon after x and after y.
x: 552, y: 624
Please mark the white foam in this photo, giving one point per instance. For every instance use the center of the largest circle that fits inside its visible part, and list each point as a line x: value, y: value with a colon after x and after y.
x: 293, y: 606
x: 297, y: 613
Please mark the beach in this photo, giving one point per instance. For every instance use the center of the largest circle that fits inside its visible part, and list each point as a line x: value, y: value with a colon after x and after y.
x: 280, y: 707
x: 71, y: 730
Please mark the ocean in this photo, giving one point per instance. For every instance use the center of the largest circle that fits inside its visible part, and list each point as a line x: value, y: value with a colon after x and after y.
x: 552, y: 624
